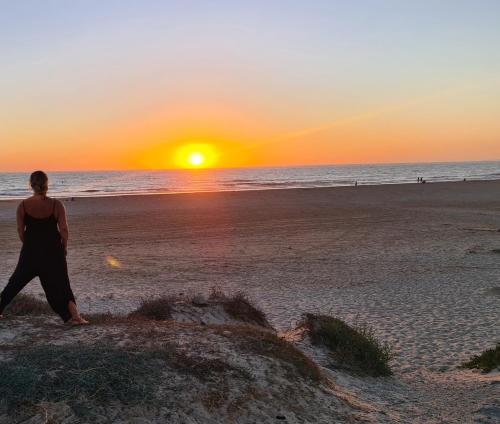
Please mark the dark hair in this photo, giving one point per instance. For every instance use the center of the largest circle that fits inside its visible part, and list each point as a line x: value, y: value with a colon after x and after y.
x: 39, y: 182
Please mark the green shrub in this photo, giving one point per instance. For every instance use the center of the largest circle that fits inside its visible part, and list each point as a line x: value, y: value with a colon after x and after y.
x: 486, y: 361
x: 354, y: 348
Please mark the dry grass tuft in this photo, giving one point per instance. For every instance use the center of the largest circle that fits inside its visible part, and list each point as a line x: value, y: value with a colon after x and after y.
x: 25, y: 304
x: 159, y: 309
x: 240, y: 308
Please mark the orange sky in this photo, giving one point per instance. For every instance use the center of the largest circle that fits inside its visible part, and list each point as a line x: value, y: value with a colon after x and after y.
x: 456, y: 124
x: 84, y: 90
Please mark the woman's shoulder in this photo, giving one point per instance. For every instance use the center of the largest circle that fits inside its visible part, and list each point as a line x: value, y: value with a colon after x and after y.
x: 58, y: 204
x: 28, y: 199
x: 22, y: 203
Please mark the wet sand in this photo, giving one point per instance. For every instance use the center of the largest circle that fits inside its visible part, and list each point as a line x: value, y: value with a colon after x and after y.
x: 417, y: 262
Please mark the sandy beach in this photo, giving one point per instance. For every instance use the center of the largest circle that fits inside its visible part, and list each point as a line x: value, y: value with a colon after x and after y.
x: 417, y: 262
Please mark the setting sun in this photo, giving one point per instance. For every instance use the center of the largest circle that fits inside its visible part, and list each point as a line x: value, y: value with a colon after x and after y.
x: 196, y: 159
x: 196, y: 155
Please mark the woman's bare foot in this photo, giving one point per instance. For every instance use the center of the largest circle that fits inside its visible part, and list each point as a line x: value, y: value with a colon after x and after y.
x: 78, y: 321
x: 76, y: 318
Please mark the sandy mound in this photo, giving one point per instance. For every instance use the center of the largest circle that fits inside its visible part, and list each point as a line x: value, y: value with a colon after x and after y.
x: 138, y: 370
x: 218, y: 309
x: 211, y: 360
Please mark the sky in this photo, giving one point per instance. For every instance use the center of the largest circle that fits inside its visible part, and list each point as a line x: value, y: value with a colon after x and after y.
x: 122, y: 84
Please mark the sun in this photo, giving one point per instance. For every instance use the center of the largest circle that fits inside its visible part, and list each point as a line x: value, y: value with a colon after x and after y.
x: 196, y: 155
x: 196, y: 159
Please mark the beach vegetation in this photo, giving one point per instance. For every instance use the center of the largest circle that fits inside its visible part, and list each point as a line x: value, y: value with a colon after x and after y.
x: 240, y: 308
x: 352, y: 347
x: 487, y: 361
x: 26, y: 304
x: 83, y: 375
x: 158, y: 309
x: 237, y: 306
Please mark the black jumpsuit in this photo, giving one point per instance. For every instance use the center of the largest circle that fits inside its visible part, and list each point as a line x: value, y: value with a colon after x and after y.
x: 42, y: 255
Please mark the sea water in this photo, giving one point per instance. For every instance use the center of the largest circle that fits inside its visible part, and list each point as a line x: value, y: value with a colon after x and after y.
x: 110, y: 183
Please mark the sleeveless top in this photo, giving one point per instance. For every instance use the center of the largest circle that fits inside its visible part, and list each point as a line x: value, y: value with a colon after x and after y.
x: 41, y: 232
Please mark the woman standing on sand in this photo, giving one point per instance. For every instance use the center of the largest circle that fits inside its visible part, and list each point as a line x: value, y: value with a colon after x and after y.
x: 43, y: 230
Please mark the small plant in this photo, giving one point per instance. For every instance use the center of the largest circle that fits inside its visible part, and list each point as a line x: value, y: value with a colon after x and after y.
x: 25, y: 304
x: 159, y: 309
x: 240, y: 308
x: 487, y: 361
x: 216, y: 293
x: 355, y: 348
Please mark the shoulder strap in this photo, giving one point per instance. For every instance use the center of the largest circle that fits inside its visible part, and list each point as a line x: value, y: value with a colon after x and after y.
x: 24, y: 209
x: 54, y: 206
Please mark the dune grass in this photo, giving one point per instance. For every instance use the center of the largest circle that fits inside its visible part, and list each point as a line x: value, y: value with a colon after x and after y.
x: 237, y: 306
x: 83, y: 375
x: 71, y: 373
x: 240, y: 308
x: 158, y: 309
x: 26, y: 304
x: 353, y: 348
x: 487, y: 361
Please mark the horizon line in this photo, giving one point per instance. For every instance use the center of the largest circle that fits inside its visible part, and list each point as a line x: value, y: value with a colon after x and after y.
x: 258, y: 166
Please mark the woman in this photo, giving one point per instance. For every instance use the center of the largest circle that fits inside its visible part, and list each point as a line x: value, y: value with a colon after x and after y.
x: 43, y: 230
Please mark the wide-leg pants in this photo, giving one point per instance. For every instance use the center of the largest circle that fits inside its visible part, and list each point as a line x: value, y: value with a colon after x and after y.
x: 49, y: 264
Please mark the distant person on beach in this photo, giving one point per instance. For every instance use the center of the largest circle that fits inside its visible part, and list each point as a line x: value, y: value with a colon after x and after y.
x: 43, y: 230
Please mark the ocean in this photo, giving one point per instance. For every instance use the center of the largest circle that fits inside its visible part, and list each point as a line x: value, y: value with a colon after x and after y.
x: 112, y: 183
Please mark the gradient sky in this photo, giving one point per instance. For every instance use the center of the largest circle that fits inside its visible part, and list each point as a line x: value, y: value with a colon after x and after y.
x: 116, y: 84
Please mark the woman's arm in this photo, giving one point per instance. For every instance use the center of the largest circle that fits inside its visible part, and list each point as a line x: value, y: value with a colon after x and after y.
x: 20, y: 222
x: 63, y: 225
